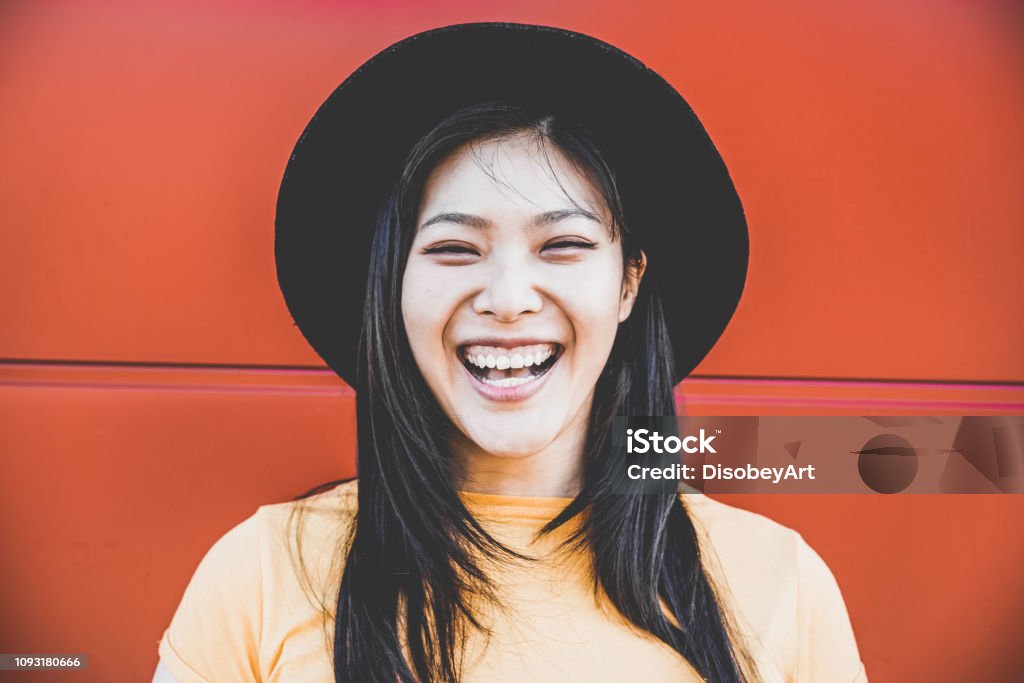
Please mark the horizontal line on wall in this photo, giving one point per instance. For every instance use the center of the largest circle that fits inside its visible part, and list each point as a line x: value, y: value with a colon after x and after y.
x: 176, y: 377
x: 790, y: 395
x: 247, y: 389
x: 909, y: 406
x: 822, y: 381
x: 161, y: 364
x: 311, y: 370
x: 724, y: 394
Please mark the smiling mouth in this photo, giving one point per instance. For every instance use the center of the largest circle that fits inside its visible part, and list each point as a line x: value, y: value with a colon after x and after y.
x: 513, y: 367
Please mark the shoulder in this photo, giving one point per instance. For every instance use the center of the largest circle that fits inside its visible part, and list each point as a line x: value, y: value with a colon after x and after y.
x: 303, y: 542
x: 325, y: 512
x: 328, y: 511
x: 753, y: 560
x: 781, y: 592
x: 273, y: 531
x: 748, y: 541
x: 280, y: 558
x: 745, y: 539
x: 755, y: 555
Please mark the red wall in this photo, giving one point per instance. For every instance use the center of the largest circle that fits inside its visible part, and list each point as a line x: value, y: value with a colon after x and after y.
x: 153, y: 391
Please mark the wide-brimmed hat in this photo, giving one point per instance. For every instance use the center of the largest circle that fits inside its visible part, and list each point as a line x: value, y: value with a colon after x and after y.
x: 677, y: 197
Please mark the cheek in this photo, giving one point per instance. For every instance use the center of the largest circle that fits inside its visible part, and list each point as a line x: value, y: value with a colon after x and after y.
x: 591, y: 305
x: 427, y: 307
x: 591, y: 299
x: 431, y: 299
x: 595, y: 334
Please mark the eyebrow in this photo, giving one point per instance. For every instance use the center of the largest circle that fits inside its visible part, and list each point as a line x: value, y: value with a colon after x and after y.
x: 480, y: 223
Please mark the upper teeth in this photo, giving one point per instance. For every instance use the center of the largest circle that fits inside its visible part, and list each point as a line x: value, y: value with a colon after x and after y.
x: 503, y: 359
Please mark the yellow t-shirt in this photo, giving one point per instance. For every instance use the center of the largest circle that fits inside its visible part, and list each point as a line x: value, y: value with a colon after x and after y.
x: 248, y: 616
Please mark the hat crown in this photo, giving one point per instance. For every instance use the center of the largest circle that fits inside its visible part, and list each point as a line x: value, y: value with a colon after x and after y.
x: 676, y: 193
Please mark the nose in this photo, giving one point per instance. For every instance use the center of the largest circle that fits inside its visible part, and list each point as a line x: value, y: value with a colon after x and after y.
x: 510, y: 292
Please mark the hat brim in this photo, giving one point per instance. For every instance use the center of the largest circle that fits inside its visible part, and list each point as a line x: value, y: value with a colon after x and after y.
x: 677, y: 196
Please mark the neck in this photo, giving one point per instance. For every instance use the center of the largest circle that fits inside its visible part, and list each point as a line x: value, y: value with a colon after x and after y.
x: 555, y: 471
x: 543, y: 474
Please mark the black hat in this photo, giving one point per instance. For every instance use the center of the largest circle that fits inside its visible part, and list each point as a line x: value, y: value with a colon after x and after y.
x: 676, y: 193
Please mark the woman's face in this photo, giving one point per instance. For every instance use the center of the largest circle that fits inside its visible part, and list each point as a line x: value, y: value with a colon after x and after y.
x: 513, y: 292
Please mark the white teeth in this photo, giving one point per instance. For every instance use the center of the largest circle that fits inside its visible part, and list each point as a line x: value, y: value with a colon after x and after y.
x: 524, y: 358
x: 507, y: 381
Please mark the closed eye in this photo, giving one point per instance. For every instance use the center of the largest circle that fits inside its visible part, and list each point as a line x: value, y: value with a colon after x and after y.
x: 458, y: 249
x: 570, y: 244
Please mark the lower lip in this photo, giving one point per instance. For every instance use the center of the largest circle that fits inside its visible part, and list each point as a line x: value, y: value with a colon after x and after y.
x: 519, y: 393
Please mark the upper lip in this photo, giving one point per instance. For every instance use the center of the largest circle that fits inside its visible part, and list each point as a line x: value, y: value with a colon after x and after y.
x: 506, y: 342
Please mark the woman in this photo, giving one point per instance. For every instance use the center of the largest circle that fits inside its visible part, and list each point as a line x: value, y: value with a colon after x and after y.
x: 534, y: 193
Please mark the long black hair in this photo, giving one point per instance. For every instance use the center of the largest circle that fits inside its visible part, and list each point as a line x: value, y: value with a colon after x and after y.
x: 413, y: 559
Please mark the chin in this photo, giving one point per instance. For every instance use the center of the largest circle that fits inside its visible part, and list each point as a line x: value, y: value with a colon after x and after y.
x: 512, y: 440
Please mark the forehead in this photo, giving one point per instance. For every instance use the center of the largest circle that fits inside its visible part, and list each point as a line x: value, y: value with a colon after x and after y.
x: 521, y: 172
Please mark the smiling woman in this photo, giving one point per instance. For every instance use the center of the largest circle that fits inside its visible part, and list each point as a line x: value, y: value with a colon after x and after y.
x: 510, y: 307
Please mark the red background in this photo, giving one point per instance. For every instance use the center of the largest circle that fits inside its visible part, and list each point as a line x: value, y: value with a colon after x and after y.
x: 153, y: 390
